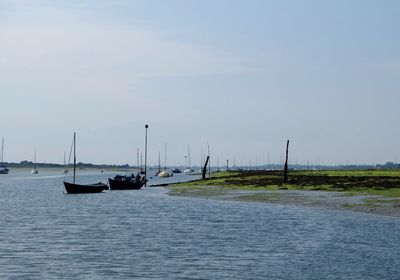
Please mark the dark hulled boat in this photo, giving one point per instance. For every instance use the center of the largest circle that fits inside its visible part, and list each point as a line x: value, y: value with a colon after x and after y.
x: 89, y: 188
x: 79, y: 188
x: 120, y: 182
x: 4, y: 170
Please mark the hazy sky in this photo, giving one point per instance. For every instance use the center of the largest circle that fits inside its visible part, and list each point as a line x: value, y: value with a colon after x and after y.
x: 243, y: 76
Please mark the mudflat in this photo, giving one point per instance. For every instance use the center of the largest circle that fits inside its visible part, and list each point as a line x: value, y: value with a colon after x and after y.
x: 368, y: 191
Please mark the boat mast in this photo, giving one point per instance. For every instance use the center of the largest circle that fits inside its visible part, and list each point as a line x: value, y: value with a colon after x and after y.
x: 2, y: 151
x: 159, y: 162
x: 165, y: 157
x: 74, y: 156
x: 34, y: 157
x: 137, y: 159
x: 189, y: 160
x: 145, y: 156
x: 186, y: 166
x: 201, y: 158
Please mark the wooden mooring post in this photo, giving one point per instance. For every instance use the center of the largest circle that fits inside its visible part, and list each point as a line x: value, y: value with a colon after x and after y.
x: 285, y: 172
x: 203, y: 175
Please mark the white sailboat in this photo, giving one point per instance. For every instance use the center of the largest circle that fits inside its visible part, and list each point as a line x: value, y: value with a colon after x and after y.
x: 188, y: 167
x: 34, y: 170
x: 165, y: 173
x: 159, y: 164
x: 65, y: 165
x: 3, y: 168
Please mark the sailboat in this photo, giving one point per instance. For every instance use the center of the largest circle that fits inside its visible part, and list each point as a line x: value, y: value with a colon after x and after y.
x: 34, y: 170
x: 3, y: 168
x: 188, y: 168
x: 165, y: 173
x: 159, y: 164
x: 65, y: 165
x: 79, y: 188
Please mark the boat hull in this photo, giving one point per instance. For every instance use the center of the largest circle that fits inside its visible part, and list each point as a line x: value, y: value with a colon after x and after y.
x: 90, y: 188
x: 3, y: 170
x: 164, y: 174
x: 125, y: 184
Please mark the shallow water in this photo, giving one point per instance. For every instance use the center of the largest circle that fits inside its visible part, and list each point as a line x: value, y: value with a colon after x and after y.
x: 146, y: 234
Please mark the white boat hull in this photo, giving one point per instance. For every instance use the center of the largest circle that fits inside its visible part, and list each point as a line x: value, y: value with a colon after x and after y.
x: 164, y: 174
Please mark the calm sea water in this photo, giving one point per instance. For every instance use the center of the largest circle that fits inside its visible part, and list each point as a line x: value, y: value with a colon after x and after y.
x: 146, y: 234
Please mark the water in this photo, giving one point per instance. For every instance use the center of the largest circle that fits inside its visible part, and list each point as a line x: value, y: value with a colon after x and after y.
x: 146, y: 234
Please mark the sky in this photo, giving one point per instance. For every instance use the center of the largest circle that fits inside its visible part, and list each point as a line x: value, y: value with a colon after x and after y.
x: 240, y: 77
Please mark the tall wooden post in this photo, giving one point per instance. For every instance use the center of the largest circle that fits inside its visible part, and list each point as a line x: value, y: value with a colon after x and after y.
x: 145, y: 156
x: 285, y: 177
x: 73, y: 181
x: 203, y: 175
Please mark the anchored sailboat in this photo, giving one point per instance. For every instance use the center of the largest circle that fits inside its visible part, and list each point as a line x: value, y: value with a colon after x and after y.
x: 159, y: 164
x: 34, y: 170
x: 165, y: 173
x: 188, y: 166
x: 79, y: 188
x: 65, y: 165
x: 3, y: 168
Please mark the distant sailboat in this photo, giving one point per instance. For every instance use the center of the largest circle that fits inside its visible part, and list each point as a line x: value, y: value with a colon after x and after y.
x: 77, y: 188
x: 3, y: 168
x: 65, y: 165
x: 159, y: 164
x: 165, y: 173
x: 188, y: 167
x: 34, y: 170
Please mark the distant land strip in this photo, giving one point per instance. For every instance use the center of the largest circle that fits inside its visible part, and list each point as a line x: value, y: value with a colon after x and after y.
x: 387, y: 165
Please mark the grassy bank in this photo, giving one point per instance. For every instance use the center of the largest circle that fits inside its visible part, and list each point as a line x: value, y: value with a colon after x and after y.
x: 379, y: 182
x: 375, y: 191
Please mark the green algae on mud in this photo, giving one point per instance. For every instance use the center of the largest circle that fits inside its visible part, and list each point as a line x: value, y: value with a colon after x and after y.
x: 366, y: 191
x: 376, y: 182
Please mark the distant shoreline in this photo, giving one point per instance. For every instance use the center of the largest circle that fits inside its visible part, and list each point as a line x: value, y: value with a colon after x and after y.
x: 30, y: 164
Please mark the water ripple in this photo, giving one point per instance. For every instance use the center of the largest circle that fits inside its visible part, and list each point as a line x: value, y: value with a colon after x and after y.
x: 146, y: 234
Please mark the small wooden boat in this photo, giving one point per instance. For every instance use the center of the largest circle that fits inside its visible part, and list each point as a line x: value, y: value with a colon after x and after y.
x: 176, y: 170
x: 89, y: 188
x: 120, y: 182
x: 79, y: 188
x: 3, y: 170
